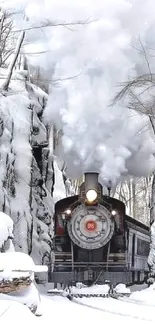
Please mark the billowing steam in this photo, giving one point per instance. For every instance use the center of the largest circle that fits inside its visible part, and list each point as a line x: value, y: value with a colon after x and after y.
x: 96, y: 136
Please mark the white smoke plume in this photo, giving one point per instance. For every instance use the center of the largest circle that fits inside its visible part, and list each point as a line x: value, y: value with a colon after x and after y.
x: 96, y: 136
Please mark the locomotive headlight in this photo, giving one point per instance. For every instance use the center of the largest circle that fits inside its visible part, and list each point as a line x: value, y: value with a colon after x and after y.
x: 113, y: 212
x: 91, y: 195
x: 68, y: 212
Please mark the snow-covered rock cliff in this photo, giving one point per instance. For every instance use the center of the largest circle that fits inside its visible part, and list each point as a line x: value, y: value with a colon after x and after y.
x: 27, y: 167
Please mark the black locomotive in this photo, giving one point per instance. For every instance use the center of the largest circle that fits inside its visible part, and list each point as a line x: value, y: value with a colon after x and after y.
x: 96, y: 241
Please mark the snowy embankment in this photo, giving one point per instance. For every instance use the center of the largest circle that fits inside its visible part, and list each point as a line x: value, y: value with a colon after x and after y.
x: 14, y: 313
x: 99, y: 310
x: 146, y: 297
x: 90, y: 311
x: 17, y: 280
x: 95, y: 311
x: 29, y: 174
x: 139, y: 306
x: 97, y: 289
x: 23, y: 137
x: 6, y: 233
x: 119, y: 308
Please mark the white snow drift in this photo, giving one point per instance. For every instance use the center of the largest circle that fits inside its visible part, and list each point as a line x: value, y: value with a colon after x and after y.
x: 6, y: 229
x: 16, y: 265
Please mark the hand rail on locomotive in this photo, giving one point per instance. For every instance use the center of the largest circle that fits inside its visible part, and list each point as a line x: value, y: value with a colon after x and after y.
x: 93, y: 264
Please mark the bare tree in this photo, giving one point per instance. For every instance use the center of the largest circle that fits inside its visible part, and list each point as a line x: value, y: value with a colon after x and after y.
x: 6, y: 37
x: 10, y: 45
x: 140, y: 95
x: 135, y: 193
x: 14, y: 60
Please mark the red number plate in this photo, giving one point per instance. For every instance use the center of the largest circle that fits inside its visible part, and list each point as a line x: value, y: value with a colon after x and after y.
x: 90, y: 225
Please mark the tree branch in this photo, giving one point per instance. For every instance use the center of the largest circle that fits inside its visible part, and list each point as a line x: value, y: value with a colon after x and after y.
x: 49, y: 23
x: 146, y: 58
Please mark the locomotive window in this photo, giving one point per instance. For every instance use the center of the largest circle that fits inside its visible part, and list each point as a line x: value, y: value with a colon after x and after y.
x: 142, y: 247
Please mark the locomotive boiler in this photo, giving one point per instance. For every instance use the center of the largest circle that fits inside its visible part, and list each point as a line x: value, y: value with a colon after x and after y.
x: 95, y: 240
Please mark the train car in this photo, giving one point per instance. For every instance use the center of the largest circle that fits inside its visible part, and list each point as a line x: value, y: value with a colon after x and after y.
x: 96, y: 241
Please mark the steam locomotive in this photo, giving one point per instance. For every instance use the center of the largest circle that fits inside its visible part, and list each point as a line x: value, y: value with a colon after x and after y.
x: 96, y: 241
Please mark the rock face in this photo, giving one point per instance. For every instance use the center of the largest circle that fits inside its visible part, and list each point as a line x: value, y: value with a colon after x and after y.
x: 14, y: 285
x: 26, y: 168
x: 29, y: 173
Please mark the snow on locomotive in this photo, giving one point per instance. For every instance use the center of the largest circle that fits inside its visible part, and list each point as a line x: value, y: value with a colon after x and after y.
x: 96, y: 241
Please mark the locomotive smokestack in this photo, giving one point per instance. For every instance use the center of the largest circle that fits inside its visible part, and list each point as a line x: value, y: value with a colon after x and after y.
x: 109, y: 187
x: 91, y: 181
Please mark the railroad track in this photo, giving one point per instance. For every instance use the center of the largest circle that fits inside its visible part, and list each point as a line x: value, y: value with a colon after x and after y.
x: 110, y: 311
x: 133, y: 301
x: 71, y: 295
x: 74, y: 299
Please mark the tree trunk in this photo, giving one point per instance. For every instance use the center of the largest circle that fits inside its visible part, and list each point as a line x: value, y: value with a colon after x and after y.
x: 13, y: 62
x: 151, y: 258
x: 133, y: 198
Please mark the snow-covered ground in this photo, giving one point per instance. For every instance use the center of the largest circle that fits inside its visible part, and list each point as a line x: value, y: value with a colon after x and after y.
x: 139, y: 308
x: 98, y: 310
x: 90, y: 311
x: 14, y: 313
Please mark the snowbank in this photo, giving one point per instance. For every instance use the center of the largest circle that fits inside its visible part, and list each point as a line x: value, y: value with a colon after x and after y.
x: 94, y: 289
x: 20, y: 266
x: 17, y: 261
x: 146, y: 296
x: 6, y: 228
x: 95, y: 311
x: 28, y: 296
x: 80, y: 288
x: 59, y: 186
x: 14, y: 313
x: 121, y: 288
